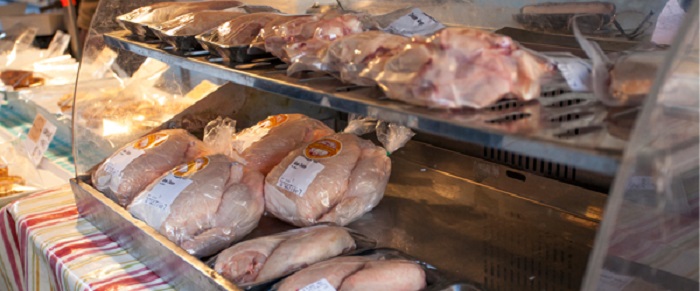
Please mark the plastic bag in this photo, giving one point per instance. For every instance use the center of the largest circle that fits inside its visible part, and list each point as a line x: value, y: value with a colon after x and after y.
x: 218, y: 135
x: 461, y: 67
x: 291, y: 31
x: 268, y: 258
x: 161, y: 12
x: 203, y: 205
x: 195, y: 23
x: 273, y: 33
x: 265, y: 144
x: 242, y: 30
x: 131, y: 168
x: 17, y: 172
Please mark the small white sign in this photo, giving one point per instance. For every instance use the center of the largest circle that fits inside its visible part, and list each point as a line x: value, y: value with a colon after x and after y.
x: 299, y: 175
x: 39, y: 138
x: 320, y: 285
x: 415, y: 22
x: 155, y: 204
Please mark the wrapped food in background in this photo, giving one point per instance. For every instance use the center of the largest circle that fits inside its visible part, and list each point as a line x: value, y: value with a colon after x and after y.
x: 161, y: 12
x: 134, y: 166
x: 242, y: 30
x: 272, y: 30
x: 461, y: 67
x: 290, y: 30
x: 194, y: 23
x: 335, y: 179
x: 632, y: 76
x: 271, y: 257
x: 265, y: 144
x: 203, y: 205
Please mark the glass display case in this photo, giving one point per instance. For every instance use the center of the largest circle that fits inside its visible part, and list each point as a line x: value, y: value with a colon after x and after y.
x: 507, y: 197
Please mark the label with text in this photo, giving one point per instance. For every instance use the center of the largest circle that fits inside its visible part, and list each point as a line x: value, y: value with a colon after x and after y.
x: 320, y: 285
x: 299, y: 175
x: 416, y: 22
x: 39, y: 138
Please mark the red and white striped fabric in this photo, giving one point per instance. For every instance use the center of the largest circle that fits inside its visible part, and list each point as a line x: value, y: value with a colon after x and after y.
x: 45, y: 245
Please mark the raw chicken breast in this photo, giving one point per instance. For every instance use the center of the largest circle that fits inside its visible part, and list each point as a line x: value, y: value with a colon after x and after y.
x: 461, y: 67
x: 266, y: 258
x: 312, y: 180
x: 333, y: 271
x: 130, y: 169
x: 264, y: 145
x: 203, y: 206
x: 398, y: 275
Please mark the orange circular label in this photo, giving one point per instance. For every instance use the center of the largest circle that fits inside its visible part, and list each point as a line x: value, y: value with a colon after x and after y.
x: 324, y: 148
x: 272, y: 121
x: 150, y: 141
x: 192, y: 167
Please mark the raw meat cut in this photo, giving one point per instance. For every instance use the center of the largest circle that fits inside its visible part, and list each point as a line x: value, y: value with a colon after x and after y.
x: 350, y: 55
x: 204, y: 205
x: 333, y: 270
x: 264, y: 145
x: 131, y: 168
x: 312, y: 180
x: 197, y: 22
x: 266, y: 258
x: 386, y: 275
x: 273, y: 30
x: 292, y: 31
x: 316, y: 35
x: 359, y: 273
x: 242, y: 30
x: 461, y: 67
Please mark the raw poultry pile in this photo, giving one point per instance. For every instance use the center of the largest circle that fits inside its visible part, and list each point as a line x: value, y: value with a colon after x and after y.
x: 453, y: 67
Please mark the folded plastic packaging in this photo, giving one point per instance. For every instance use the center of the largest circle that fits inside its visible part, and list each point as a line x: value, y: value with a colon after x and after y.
x: 264, y: 260
x: 242, y: 30
x: 17, y: 172
x: 158, y: 13
x: 204, y: 204
x: 336, y: 179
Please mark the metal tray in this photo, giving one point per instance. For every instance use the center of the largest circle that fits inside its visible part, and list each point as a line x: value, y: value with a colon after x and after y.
x: 139, y: 30
x: 498, y: 227
x: 231, y: 54
x: 178, y: 42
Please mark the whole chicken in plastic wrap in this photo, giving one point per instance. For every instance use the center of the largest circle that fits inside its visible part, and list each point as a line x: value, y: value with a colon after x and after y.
x: 270, y: 257
x: 203, y: 205
x: 461, y: 67
x: 335, y: 179
x: 131, y: 168
x: 358, y: 273
x: 265, y: 144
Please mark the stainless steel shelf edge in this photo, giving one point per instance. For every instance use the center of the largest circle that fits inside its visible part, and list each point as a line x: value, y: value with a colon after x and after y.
x: 466, y: 126
x: 163, y: 257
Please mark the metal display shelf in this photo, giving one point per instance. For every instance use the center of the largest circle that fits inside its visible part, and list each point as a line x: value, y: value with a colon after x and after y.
x: 568, y: 128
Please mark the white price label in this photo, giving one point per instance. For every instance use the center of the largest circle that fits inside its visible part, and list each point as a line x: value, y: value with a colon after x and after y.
x: 320, y: 285
x: 576, y: 72
x: 415, y: 22
x: 39, y: 138
x: 153, y: 207
x: 299, y: 175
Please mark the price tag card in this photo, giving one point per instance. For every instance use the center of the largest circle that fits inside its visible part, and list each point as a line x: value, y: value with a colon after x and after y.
x: 320, y: 285
x: 299, y: 175
x: 39, y: 138
x: 415, y: 22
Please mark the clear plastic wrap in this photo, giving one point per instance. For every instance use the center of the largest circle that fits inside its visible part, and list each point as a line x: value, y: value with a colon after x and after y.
x: 265, y: 144
x: 295, y: 29
x: 265, y: 259
x: 305, y: 51
x: 218, y: 135
x: 272, y: 32
x: 203, y: 205
x: 242, y: 30
x: 375, y: 271
x: 17, y: 172
x: 194, y: 23
x: 461, y: 67
x: 336, y: 179
x: 134, y: 166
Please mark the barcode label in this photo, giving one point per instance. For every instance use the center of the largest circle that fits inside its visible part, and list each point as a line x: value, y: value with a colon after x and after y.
x: 416, y: 22
x: 320, y: 285
x: 299, y: 175
x: 154, y: 206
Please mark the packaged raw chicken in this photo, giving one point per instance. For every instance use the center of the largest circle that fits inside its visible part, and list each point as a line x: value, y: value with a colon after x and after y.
x: 242, y: 30
x: 134, y: 166
x: 137, y: 20
x: 376, y: 271
x: 265, y: 144
x: 290, y: 31
x: 272, y: 30
x: 267, y: 258
x: 336, y: 179
x: 203, y: 205
x: 194, y: 23
x: 461, y: 67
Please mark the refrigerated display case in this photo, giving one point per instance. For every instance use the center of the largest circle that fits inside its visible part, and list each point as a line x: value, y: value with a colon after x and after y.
x: 508, y: 197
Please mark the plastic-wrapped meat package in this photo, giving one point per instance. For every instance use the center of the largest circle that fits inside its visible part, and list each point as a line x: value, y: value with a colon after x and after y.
x: 161, y: 12
x: 632, y: 76
x: 272, y: 30
x: 351, y: 55
x: 131, y: 168
x: 265, y: 144
x: 305, y: 52
x: 266, y: 258
x: 335, y: 179
x: 194, y: 23
x: 242, y: 30
x: 461, y: 67
x: 290, y: 31
x: 358, y: 273
x: 203, y: 205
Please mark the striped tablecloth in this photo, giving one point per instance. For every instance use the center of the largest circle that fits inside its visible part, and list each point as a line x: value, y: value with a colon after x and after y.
x: 45, y: 245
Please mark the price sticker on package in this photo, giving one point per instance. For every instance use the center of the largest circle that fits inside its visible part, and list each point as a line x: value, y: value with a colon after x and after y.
x: 320, y: 285
x: 299, y: 175
x: 39, y: 138
x: 415, y: 22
